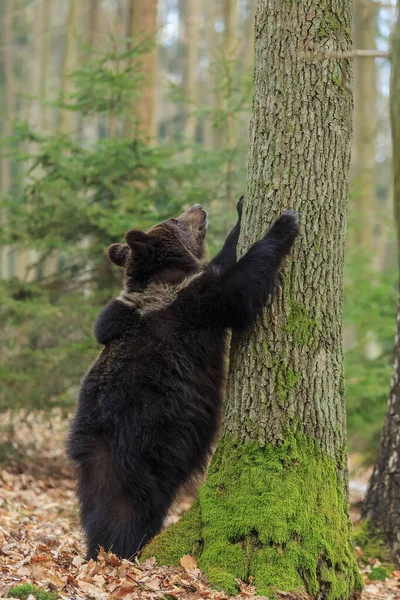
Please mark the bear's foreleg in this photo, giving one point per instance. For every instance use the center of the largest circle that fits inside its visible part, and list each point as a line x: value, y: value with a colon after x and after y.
x: 235, y: 297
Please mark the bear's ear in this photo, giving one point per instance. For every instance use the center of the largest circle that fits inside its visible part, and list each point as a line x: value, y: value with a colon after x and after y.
x: 135, y: 236
x: 118, y: 254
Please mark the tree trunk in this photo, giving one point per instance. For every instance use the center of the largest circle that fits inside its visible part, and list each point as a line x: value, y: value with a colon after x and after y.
x: 46, y: 63
x: 142, y: 21
x: 94, y: 36
x: 248, y: 42
x: 8, y: 86
x: 207, y: 91
x: 274, y: 504
x: 189, y: 20
x: 230, y: 48
x: 66, y: 117
x: 365, y: 124
x: 382, y: 503
x: 7, y: 114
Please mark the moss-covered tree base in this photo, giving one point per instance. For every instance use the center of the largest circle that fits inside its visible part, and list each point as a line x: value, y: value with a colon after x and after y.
x: 277, y: 513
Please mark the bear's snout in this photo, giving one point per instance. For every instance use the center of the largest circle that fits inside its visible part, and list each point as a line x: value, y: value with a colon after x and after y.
x: 195, y: 216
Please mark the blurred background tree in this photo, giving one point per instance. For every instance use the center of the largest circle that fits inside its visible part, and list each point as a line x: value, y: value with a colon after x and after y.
x: 115, y: 117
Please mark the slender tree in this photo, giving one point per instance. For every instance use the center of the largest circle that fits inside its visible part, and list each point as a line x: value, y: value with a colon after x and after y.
x: 8, y: 89
x: 189, y: 22
x: 248, y: 42
x: 69, y: 60
x: 230, y: 50
x: 365, y: 123
x: 208, y: 95
x: 142, y: 22
x: 8, y: 111
x: 274, y: 504
x: 382, y: 503
x: 92, y: 21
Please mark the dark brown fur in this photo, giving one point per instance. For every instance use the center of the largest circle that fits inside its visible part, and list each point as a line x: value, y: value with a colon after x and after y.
x: 150, y: 406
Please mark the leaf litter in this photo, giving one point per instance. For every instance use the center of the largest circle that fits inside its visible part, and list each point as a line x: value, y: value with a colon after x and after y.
x: 41, y: 542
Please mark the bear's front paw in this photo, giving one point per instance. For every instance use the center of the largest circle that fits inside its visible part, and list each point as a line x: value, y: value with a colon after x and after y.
x: 285, y: 229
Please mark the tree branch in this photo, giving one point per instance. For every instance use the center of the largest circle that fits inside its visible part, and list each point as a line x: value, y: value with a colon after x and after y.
x: 343, y: 55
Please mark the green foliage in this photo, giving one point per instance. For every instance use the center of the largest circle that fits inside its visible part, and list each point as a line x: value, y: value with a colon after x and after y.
x: 379, y: 573
x: 370, y: 542
x: 24, y: 590
x: 370, y: 298
x: 76, y: 197
x: 47, y: 340
x: 108, y: 82
x: 277, y: 513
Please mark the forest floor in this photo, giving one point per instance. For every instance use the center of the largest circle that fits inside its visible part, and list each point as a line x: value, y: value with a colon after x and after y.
x: 41, y: 542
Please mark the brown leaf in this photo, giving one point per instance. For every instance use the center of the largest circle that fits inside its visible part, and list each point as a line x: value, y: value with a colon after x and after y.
x: 92, y: 590
x: 78, y: 561
x: 71, y: 580
x: 149, y: 564
x: 124, y: 591
x: 188, y: 562
x: 396, y: 574
x: 153, y: 583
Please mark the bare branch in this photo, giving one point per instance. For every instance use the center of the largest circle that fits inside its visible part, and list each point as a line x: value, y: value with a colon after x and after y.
x: 321, y: 55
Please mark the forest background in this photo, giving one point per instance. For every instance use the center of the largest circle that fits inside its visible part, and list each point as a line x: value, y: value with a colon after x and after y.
x: 116, y: 115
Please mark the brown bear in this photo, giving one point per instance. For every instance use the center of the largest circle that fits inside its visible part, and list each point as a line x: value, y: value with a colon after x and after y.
x: 150, y: 406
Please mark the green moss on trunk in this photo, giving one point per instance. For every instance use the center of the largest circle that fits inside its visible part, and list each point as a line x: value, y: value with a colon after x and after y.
x: 277, y: 513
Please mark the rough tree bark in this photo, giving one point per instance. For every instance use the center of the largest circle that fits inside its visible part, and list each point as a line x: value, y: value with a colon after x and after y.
x: 382, y: 503
x: 274, y: 504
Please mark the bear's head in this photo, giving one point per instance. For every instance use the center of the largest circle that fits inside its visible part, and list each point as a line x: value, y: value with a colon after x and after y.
x: 168, y: 251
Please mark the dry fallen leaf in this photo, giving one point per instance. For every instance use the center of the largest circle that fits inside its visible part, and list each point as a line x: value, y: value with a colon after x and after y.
x: 41, y: 542
x: 124, y: 591
x: 188, y: 562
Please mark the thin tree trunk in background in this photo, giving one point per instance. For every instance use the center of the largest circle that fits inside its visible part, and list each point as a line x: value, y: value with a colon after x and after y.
x: 46, y: 120
x: 365, y: 124
x: 8, y: 112
x: 9, y: 88
x: 35, y: 67
x: 189, y: 20
x: 249, y: 37
x: 90, y: 124
x: 34, y: 113
x: 92, y: 21
x: 219, y: 130
x: 142, y: 21
x: 248, y: 58
x: 210, y: 12
x: 382, y: 503
x: 67, y: 119
x: 274, y: 504
x: 230, y: 48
